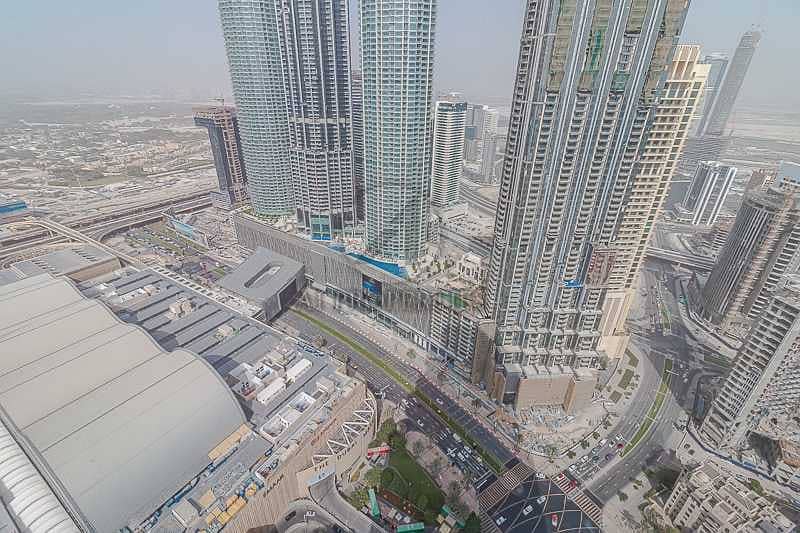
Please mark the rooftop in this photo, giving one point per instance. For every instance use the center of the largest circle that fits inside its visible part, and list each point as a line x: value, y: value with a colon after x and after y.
x: 264, y: 274
x: 108, y: 433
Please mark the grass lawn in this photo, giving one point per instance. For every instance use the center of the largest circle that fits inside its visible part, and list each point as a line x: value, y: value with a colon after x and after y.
x: 633, y: 360
x: 414, y: 482
x: 615, y: 396
x: 626, y: 379
x: 663, y: 390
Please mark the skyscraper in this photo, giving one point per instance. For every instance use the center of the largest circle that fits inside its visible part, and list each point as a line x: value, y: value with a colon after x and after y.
x: 647, y: 192
x: 448, y: 147
x: 718, y: 63
x: 761, y: 247
x: 729, y: 91
x: 250, y: 30
x: 223, y: 132
x: 397, y: 39
x: 707, y: 192
x: 588, y: 81
x: 357, y: 103
x: 315, y: 43
x: 765, y: 378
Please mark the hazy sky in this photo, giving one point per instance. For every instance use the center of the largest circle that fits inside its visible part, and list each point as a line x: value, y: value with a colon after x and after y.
x: 56, y: 47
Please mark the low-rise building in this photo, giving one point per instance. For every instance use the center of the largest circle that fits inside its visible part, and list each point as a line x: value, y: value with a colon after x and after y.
x: 533, y: 386
x: 706, y: 500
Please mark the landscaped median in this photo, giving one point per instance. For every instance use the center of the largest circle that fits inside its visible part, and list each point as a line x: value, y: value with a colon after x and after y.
x: 489, y: 458
x: 663, y: 390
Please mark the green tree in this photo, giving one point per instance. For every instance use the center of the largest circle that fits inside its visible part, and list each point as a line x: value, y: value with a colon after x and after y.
x: 571, y: 454
x: 473, y: 524
x: 417, y: 448
x: 756, y: 487
x: 373, y: 478
x: 436, y: 467
x: 387, y: 476
x: 584, y: 444
x: 622, y: 496
x: 422, y: 501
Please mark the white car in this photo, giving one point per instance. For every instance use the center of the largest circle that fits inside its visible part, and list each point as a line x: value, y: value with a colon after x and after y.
x: 500, y: 520
x: 527, y: 510
x: 603, y: 442
x: 572, y: 468
x: 439, y: 401
x: 541, y: 499
x: 539, y: 475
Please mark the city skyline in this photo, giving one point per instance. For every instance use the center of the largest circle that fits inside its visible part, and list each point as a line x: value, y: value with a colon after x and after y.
x: 361, y: 297
x: 196, y: 67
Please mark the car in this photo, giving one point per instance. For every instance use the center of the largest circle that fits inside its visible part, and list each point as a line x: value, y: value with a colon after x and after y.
x: 572, y: 468
x: 619, y: 437
x: 527, y: 510
x: 290, y: 516
x: 541, y: 499
x: 620, y: 446
x: 419, y: 423
x: 584, y: 458
x: 603, y: 442
x: 554, y: 520
x: 439, y: 401
x: 500, y: 520
x: 561, y: 477
x: 609, y: 456
x: 595, y: 458
x: 539, y: 475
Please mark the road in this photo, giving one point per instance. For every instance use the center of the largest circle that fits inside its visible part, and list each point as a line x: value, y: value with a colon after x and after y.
x: 466, y: 243
x: 476, y: 200
x: 381, y: 383
x: 532, y: 506
x: 426, y: 421
x: 659, y: 345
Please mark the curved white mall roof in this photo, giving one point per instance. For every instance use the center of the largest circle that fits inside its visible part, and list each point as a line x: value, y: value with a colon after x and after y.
x: 119, y: 424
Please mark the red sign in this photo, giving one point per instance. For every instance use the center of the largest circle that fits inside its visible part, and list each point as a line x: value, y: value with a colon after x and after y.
x: 380, y: 450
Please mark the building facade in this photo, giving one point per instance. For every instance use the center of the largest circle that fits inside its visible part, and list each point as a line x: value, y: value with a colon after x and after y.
x: 252, y: 43
x: 357, y: 106
x: 448, y: 146
x: 707, y: 192
x: 718, y: 63
x: 397, y: 47
x: 588, y: 81
x: 648, y: 191
x: 761, y: 247
x: 706, y: 500
x: 315, y: 44
x: 223, y: 133
x: 765, y: 378
x: 729, y: 91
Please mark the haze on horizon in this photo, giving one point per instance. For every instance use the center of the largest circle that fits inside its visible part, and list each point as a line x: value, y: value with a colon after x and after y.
x: 174, y: 49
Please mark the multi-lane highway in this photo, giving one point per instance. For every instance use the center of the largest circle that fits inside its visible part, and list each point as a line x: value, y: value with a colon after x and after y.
x: 493, y: 488
x: 100, y: 226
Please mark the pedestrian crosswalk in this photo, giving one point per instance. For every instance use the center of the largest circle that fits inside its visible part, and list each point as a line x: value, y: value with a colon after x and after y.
x: 586, y: 504
x: 504, y: 485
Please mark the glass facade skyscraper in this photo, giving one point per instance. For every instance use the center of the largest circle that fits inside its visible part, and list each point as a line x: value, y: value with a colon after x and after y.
x: 397, y: 40
x: 314, y: 36
x: 588, y: 83
x: 250, y: 29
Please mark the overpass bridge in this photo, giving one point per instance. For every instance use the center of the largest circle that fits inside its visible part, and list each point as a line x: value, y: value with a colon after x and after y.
x: 695, y: 262
x: 97, y: 227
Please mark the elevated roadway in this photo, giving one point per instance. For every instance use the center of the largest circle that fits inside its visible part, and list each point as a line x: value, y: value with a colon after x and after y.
x: 98, y: 227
